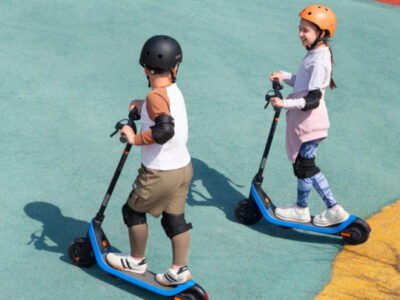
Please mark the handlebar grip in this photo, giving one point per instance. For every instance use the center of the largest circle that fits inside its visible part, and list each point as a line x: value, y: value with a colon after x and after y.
x: 276, y: 84
x: 134, y: 114
x: 277, y: 87
x: 123, y: 139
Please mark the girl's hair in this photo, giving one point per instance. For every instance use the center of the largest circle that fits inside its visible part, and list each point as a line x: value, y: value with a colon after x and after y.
x: 332, y: 83
x: 325, y: 39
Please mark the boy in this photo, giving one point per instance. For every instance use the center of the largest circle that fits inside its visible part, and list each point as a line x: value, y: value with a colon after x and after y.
x: 164, y: 177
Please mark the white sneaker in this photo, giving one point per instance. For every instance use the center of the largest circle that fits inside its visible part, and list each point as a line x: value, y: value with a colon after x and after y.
x: 330, y: 217
x: 293, y: 213
x: 125, y: 262
x: 174, y: 277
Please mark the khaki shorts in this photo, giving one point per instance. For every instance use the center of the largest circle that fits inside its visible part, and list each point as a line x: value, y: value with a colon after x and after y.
x: 156, y: 191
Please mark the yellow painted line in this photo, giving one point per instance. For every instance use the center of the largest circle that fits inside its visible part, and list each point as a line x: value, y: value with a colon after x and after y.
x: 370, y: 270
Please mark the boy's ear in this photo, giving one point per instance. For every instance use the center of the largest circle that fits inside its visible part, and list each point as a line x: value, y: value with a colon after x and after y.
x: 146, y: 72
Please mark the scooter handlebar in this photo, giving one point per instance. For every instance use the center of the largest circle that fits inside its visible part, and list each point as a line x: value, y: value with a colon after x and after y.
x: 277, y: 87
x: 133, y: 116
x: 131, y: 123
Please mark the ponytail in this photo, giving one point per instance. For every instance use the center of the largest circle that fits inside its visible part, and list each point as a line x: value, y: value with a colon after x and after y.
x: 332, y: 83
x: 324, y: 39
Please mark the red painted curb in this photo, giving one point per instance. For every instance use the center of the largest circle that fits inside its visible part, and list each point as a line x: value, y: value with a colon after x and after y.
x: 393, y: 2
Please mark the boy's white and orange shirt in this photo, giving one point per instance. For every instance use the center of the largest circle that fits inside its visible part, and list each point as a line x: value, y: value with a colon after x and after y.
x: 157, y: 103
x: 174, y: 153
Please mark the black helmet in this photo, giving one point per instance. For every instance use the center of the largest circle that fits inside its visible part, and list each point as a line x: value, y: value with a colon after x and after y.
x: 160, y: 53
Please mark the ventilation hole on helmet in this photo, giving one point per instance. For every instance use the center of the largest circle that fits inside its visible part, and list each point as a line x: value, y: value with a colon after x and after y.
x: 326, y: 9
x: 159, y: 56
x: 319, y: 6
x: 309, y: 12
x: 147, y: 53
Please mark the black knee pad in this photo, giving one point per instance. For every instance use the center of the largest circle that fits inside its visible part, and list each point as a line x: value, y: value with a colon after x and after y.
x: 174, y: 225
x: 305, y: 167
x: 132, y: 217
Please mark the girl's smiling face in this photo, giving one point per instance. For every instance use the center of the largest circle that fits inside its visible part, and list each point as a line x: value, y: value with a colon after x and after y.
x: 308, y: 32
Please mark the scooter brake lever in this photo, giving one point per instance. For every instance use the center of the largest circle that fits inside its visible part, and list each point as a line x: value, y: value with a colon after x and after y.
x: 114, y: 133
x: 268, y: 98
x: 118, y: 126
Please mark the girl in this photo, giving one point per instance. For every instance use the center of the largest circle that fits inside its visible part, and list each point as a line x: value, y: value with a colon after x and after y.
x: 307, y: 120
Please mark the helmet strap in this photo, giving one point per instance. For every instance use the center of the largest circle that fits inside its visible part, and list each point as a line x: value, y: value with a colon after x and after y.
x: 317, y: 40
x: 148, y: 81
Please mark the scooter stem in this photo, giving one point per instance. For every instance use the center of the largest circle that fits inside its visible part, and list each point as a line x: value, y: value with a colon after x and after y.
x: 259, y: 178
x: 133, y: 116
x: 277, y: 87
x: 100, y: 214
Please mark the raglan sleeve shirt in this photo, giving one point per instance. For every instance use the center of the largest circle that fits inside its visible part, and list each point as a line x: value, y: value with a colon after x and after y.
x: 156, y: 104
x: 289, y: 78
x: 318, y: 73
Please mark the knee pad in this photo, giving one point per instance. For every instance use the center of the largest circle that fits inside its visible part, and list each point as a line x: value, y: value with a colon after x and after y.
x: 305, y: 167
x: 174, y: 225
x: 132, y: 217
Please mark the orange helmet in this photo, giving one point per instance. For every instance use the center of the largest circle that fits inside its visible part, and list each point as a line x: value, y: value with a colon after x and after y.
x: 321, y: 16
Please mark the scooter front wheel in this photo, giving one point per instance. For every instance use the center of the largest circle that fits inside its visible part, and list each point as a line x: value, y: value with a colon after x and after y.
x: 247, y: 212
x: 196, y: 292
x: 81, y: 254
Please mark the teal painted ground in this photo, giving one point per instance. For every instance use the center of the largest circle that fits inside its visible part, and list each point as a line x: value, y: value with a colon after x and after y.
x: 68, y: 72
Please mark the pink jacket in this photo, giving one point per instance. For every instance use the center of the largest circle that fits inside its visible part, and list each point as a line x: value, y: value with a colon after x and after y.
x: 305, y: 126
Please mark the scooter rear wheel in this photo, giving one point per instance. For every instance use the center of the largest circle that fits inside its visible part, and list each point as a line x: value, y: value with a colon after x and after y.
x: 81, y: 254
x: 247, y: 212
x: 358, y: 234
x: 196, y: 292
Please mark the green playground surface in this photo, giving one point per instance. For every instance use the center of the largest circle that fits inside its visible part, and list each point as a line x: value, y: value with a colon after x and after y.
x: 69, y: 72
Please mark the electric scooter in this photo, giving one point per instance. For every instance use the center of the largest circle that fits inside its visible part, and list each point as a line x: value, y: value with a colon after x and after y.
x: 86, y: 251
x: 249, y: 211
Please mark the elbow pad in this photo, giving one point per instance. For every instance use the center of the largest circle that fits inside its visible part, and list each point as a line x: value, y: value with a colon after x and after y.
x: 163, y: 129
x: 312, y: 99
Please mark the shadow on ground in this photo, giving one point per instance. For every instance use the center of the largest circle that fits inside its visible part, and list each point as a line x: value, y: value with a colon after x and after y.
x: 57, y: 234
x: 222, y: 194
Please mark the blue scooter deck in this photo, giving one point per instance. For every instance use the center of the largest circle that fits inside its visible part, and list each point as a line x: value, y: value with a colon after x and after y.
x: 146, y: 280
x: 267, y: 209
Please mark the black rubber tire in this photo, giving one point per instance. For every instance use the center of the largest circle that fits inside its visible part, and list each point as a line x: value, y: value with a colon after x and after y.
x: 196, y: 292
x: 184, y: 296
x: 247, y: 212
x: 81, y: 254
x: 358, y: 234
